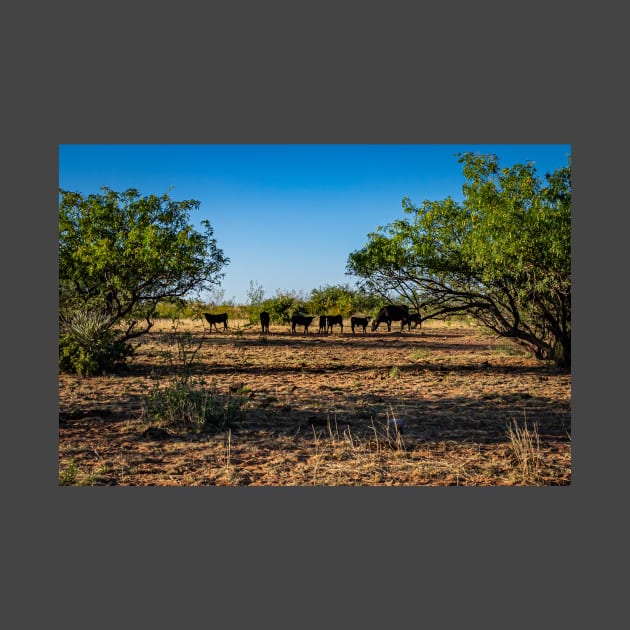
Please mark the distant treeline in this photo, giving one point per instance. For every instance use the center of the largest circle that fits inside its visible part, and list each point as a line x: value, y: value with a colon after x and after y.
x: 326, y: 300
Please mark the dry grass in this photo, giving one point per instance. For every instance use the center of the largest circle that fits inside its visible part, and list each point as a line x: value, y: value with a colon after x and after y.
x: 319, y: 410
x: 525, y: 444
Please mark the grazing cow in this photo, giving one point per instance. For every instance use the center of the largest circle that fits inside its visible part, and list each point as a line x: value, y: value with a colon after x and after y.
x: 301, y: 320
x: 322, y: 324
x: 415, y: 319
x: 334, y: 320
x: 392, y: 313
x: 359, y: 321
x: 264, y: 322
x: 213, y: 320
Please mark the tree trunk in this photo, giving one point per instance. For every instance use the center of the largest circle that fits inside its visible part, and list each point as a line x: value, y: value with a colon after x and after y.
x: 562, y: 353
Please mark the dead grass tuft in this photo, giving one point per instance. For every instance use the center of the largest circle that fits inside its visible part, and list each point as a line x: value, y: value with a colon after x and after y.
x: 525, y: 445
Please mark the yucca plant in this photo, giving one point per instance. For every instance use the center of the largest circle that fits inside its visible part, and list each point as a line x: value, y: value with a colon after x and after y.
x: 88, y: 345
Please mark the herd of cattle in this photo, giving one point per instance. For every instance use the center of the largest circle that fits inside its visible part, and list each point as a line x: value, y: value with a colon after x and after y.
x: 387, y: 315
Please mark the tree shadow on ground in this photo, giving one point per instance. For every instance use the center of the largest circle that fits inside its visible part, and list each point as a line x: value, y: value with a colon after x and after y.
x: 483, y: 419
x: 412, y: 367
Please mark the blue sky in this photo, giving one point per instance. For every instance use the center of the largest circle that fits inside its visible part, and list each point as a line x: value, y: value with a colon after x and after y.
x: 287, y: 216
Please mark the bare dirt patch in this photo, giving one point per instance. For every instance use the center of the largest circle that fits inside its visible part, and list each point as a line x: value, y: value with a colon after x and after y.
x: 316, y: 410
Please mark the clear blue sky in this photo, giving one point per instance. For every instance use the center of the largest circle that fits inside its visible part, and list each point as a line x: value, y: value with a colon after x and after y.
x: 287, y: 216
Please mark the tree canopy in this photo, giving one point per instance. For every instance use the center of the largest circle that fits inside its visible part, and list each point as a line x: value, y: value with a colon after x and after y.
x: 121, y: 253
x: 502, y: 255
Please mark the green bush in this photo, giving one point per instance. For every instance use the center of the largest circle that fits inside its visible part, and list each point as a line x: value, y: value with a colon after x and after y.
x: 108, y: 355
x: 173, y: 309
x: 87, y: 346
x: 342, y: 300
x: 186, y: 405
x: 280, y: 308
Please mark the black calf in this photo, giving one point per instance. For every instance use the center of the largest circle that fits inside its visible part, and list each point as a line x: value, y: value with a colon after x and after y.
x: 359, y: 322
x: 322, y: 324
x: 334, y: 320
x: 301, y: 320
x: 264, y: 322
x: 415, y: 319
x: 213, y: 320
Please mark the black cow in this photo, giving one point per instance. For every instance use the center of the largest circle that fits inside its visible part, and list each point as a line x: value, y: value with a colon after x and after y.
x: 415, y: 319
x: 213, y: 320
x: 359, y: 321
x: 392, y: 313
x: 322, y: 324
x: 334, y: 320
x: 301, y: 320
x: 264, y: 322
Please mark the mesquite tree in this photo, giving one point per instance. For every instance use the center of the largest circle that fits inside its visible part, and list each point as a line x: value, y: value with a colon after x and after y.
x: 120, y: 254
x: 502, y: 255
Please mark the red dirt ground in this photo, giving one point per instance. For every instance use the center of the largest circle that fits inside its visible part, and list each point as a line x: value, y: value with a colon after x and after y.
x: 315, y: 411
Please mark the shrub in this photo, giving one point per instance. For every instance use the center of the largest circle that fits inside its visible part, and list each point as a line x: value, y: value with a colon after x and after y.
x: 343, y: 300
x: 68, y: 476
x: 89, y: 347
x: 280, y: 308
x: 187, y: 405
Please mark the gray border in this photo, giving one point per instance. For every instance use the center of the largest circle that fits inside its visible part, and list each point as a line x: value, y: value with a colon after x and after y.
x: 334, y: 73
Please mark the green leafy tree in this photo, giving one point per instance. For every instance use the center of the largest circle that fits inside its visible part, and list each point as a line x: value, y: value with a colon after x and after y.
x: 120, y: 255
x: 343, y: 300
x: 283, y: 306
x: 332, y: 300
x: 502, y: 255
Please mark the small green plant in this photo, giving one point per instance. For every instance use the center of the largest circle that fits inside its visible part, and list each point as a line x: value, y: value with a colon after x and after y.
x: 180, y: 349
x: 188, y: 405
x: 394, y: 372
x: 417, y: 355
x: 68, y: 476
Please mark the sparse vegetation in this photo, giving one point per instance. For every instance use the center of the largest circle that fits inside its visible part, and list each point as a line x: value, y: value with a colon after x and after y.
x: 419, y: 355
x: 185, y: 404
x: 525, y: 445
x: 221, y: 409
x: 68, y: 476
